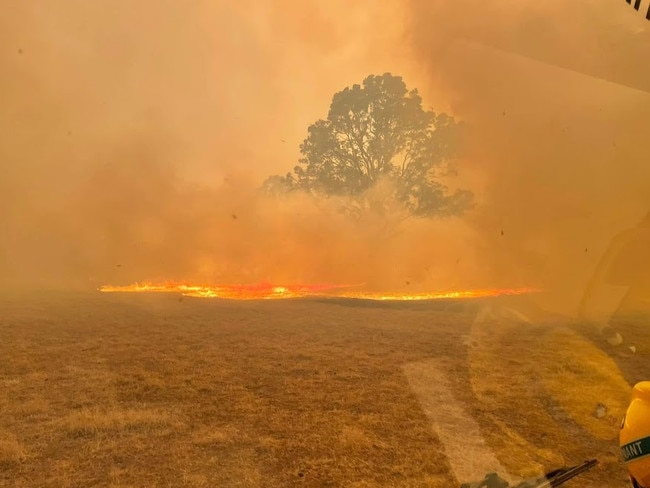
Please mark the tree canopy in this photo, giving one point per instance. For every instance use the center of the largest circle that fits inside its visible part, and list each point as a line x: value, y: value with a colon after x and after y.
x: 379, y: 132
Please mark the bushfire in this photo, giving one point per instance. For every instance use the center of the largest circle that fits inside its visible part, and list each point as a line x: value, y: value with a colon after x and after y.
x: 270, y: 291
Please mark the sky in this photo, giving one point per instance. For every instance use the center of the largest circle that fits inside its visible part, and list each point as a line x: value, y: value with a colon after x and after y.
x: 135, y: 135
x: 555, y: 92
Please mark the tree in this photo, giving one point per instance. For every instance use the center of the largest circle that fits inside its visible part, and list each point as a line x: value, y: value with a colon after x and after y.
x: 379, y: 133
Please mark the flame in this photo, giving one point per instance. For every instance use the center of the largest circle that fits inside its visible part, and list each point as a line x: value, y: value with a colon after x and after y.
x: 270, y: 291
x: 481, y: 293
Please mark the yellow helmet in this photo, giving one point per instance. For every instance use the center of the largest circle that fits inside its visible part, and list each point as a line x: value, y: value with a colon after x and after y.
x: 635, y: 436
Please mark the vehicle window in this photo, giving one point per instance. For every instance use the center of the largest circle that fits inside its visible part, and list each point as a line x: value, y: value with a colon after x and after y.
x: 357, y: 244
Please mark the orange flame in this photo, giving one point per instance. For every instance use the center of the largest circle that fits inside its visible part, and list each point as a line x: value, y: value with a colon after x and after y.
x: 270, y: 291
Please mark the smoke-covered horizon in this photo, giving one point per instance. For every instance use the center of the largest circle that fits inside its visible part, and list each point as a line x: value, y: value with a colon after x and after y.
x: 135, y: 137
x: 554, y: 92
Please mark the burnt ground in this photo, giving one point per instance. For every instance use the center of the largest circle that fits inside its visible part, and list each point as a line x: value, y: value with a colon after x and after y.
x: 150, y: 390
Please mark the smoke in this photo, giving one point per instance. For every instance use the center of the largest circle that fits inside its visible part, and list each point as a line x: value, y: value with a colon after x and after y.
x: 135, y: 135
x: 554, y: 93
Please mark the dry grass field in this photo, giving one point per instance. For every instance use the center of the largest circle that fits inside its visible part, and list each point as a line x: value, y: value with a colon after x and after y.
x: 150, y: 390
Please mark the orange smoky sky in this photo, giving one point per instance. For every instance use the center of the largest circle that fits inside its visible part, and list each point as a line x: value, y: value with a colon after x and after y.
x: 557, y: 97
x: 135, y: 135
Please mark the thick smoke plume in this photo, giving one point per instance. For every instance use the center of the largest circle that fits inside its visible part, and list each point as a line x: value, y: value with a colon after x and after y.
x: 134, y: 138
x: 555, y: 94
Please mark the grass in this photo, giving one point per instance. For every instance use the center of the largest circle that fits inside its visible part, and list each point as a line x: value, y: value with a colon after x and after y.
x: 12, y: 452
x: 91, y: 421
x: 117, y: 391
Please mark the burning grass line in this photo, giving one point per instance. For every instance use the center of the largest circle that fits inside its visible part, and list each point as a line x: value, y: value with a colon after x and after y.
x: 267, y: 291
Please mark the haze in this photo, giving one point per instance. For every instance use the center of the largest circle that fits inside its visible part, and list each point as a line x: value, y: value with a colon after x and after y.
x: 134, y: 137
